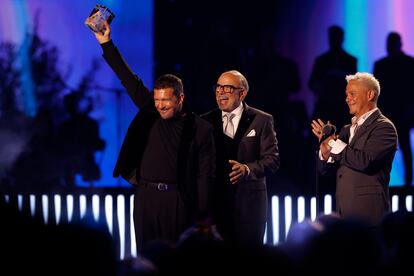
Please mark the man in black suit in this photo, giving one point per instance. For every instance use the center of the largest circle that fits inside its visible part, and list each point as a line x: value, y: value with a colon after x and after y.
x: 168, y: 154
x: 247, y: 151
x: 362, y: 154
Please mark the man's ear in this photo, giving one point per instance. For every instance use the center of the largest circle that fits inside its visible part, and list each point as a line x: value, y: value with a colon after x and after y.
x: 371, y: 95
x: 181, y: 98
x: 243, y: 94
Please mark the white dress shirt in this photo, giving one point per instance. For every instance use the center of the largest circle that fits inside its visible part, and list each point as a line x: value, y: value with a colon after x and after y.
x: 338, y: 145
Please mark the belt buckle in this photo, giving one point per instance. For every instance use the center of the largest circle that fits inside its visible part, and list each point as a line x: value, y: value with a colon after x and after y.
x: 162, y: 187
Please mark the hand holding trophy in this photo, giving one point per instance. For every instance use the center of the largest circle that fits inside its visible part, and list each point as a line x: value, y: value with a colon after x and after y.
x: 98, y: 21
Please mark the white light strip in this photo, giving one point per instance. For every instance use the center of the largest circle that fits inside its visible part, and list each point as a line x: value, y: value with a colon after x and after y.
x: 288, y: 214
x: 7, y: 198
x: 327, y: 201
x: 265, y: 234
x: 132, y: 228
x: 313, y: 208
x: 45, y: 208
x: 69, y: 205
x: 409, y: 203
x: 95, y: 207
x: 120, y: 207
x: 275, y: 219
x: 109, y: 216
x: 20, y: 202
x: 394, y: 203
x: 32, y: 200
x: 82, y: 206
x: 301, y: 208
x: 58, y: 207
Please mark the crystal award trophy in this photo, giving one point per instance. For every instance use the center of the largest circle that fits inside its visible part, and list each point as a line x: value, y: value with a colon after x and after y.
x: 97, y: 17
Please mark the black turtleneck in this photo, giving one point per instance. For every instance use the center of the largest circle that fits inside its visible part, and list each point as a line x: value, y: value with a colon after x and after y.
x: 159, y: 160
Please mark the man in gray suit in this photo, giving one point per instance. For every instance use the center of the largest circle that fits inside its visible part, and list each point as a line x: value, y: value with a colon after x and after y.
x: 362, y: 153
x: 246, y: 151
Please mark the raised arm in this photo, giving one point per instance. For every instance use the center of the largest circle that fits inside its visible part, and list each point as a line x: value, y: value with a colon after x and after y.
x: 136, y: 89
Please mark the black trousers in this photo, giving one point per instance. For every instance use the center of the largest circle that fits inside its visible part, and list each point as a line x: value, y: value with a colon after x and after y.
x: 158, y: 215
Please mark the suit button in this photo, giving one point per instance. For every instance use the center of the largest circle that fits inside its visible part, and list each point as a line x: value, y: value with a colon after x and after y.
x: 340, y: 176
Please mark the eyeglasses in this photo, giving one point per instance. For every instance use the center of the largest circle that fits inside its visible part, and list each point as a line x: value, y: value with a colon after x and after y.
x: 227, y: 88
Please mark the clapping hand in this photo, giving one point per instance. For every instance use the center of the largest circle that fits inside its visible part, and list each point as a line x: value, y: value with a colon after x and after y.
x: 317, y: 126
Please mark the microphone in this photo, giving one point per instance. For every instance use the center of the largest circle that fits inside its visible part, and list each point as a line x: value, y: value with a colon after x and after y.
x: 327, y: 131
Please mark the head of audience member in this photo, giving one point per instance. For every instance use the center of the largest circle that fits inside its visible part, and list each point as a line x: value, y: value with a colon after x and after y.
x: 301, y: 234
x: 169, y: 96
x: 162, y: 254
x: 394, y: 43
x: 336, y: 37
x: 362, y: 92
x: 343, y: 247
x: 231, y: 89
x: 397, y: 229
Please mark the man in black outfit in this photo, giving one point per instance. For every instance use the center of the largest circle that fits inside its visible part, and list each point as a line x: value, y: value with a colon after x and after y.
x: 247, y: 152
x: 168, y: 153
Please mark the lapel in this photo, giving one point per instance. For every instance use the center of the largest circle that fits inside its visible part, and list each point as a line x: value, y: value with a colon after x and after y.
x: 345, y: 133
x: 245, y: 122
x: 362, y: 128
x: 217, y: 121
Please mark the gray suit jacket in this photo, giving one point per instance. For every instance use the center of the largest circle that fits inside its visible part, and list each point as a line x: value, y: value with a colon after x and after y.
x: 363, y: 169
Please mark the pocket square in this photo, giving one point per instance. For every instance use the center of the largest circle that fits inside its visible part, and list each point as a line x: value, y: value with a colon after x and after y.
x: 252, y: 133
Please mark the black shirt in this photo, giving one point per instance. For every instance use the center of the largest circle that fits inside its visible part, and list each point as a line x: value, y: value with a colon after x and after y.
x: 159, y: 160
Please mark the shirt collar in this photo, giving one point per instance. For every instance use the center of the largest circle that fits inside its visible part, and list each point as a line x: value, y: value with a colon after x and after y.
x: 237, y: 111
x: 360, y: 120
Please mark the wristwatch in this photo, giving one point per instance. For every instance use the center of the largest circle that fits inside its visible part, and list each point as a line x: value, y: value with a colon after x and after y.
x: 331, y: 143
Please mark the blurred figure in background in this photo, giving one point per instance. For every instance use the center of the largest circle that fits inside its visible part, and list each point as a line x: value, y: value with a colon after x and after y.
x: 395, y: 73
x: 79, y: 137
x: 327, y: 81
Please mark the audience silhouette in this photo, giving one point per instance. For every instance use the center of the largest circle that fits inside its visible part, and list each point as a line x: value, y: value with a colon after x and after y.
x: 395, y: 72
x: 28, y: 246
x: 397, y: 235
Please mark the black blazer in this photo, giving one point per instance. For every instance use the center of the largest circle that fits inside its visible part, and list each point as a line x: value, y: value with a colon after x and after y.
x: 196, y: 156
x: 363, y: 169
x: 255, y: 145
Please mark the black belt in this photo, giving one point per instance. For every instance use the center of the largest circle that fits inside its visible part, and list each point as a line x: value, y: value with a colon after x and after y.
x: 160, y: 186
